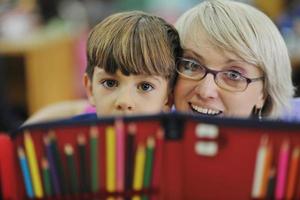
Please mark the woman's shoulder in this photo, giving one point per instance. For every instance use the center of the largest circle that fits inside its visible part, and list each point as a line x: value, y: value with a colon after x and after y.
x: 293, y: 114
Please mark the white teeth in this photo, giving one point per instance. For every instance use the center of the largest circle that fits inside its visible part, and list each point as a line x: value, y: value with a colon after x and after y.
x: 205, y: 110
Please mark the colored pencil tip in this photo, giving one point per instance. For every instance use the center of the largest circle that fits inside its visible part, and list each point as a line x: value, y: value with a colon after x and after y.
x: 150, y: 142
x: 132, y: 128
x: 81, y: 139
x: 45, y: 164
x: 285, y: 144
x: 119, y: 124
x: 51, y: 135
x: 94, y: 131
x: 296, y: 151
x: 27, y: 134
x: 21, y: 152
x: 46, y: 139
x: 68, y: 149
x: 264, y: 140
x: 160, y: 133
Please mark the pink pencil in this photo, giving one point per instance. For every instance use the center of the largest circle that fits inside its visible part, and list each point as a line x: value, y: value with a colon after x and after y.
x: 119, y: 127
x: 282, y: 170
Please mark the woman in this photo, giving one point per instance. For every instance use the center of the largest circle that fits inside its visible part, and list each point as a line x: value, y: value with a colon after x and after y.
x: 235, y: 62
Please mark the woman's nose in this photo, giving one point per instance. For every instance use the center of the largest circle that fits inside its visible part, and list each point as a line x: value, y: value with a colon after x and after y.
x: 207, y: 87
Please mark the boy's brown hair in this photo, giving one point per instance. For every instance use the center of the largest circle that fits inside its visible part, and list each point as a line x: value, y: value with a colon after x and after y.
x: 135, y: 43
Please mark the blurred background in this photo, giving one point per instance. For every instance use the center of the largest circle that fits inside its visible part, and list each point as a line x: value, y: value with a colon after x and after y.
x: 42, y: 46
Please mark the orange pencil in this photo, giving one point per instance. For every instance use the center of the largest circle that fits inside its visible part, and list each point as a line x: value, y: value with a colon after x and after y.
x: 266, y: 171
x: 293, y: 173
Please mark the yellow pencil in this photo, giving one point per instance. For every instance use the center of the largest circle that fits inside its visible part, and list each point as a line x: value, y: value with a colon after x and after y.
x: 139, y: 170
x: 33, y: 165
x: 110, y: 159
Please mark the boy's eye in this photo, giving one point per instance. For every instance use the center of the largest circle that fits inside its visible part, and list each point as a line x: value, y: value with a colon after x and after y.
x: 145, y: 87
x: 110, y: 83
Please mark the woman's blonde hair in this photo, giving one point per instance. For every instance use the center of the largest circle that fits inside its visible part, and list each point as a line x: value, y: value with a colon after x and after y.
x: 135, y: 43
x: 248, y: 33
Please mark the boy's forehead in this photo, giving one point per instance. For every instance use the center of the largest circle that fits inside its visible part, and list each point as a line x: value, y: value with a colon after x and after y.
x: 100, y: 72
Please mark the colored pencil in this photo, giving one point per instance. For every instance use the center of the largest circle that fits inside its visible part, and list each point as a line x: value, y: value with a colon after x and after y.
x: 271, y: 184
x: 139, y: 170
x: 120, y: 150
x: 110, y: 159
x: 52, y: 166
x: 94, y: 158
x: 33, y: 165
x: 158, y: 155
x: 58, y: 162
x: 259, y: 167
x: 293, y: 173
x: 130, y: 148
x: 282, y: 170
x: 25, y: 172
x: 266, y: 171
x: 71, y: 167
x: 83, y: 169
x: 148, y: 165
x: 46, y: 177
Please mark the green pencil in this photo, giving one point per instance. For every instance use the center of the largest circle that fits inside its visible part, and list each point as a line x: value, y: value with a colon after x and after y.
x: 94, y: 158
x: 71, y: 168
x: 46, y: 177
x: 148, y: 165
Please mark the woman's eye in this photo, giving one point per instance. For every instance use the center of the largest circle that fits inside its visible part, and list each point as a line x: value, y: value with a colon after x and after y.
x: 191, y: 66
x: 145, y: 87
x: 234, y: 75
x: 109, y: 83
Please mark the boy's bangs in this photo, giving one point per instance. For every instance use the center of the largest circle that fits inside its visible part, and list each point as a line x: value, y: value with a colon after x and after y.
x: 140, y: 49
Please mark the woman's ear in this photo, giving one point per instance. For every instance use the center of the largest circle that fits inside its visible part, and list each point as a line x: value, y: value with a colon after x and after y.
x: 261, y: 100
x: 88, y: 85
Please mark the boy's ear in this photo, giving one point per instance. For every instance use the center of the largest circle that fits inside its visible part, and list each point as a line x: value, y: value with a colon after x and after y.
x: 87, y: 82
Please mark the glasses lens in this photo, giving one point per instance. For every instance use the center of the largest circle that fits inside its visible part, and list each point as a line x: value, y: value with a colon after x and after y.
x: 231, y: 81
x: 191, y: 69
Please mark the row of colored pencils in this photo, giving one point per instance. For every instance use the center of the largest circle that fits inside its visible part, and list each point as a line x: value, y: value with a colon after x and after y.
x: 132, y: 167
x: 276, y: 178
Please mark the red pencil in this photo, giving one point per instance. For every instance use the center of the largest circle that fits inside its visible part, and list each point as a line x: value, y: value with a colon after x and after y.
x: 157, y: 161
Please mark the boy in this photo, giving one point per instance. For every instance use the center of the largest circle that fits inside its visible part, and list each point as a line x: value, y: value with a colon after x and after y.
x: 131, y: 64
x: 131, y: 68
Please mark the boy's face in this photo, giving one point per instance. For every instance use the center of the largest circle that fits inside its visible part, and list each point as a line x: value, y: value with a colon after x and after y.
x: 117, y: 94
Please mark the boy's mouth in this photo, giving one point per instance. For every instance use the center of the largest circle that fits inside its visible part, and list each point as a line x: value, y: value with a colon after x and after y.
x: 204, y: 111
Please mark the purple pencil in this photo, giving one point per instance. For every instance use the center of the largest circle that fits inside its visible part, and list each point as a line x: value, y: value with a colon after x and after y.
x: 54, y: 176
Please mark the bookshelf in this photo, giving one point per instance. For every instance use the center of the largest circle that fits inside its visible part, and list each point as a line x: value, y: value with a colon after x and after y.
x: 49, y: 66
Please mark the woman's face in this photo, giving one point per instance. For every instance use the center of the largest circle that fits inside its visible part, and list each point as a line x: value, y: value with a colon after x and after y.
x: 205, y: 96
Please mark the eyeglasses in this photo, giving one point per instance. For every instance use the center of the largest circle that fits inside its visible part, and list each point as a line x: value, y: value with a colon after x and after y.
x: 229, y: 80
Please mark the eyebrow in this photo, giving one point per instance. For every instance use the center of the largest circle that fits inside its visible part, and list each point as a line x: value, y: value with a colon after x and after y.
x: 192, y: 53
x: 151, y: 76
x: 102, y: 72
x: 201, y: 58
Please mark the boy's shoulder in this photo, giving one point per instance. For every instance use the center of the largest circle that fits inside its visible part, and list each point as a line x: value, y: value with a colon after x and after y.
x: 83, y: 117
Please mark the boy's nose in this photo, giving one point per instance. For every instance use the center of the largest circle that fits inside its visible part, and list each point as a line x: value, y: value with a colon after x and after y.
x: 207, y: 88
x: 125, y: 102
x: 123, y: 106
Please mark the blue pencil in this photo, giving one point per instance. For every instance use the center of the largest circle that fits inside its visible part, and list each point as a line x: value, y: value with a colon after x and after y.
x: 25, y: 172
